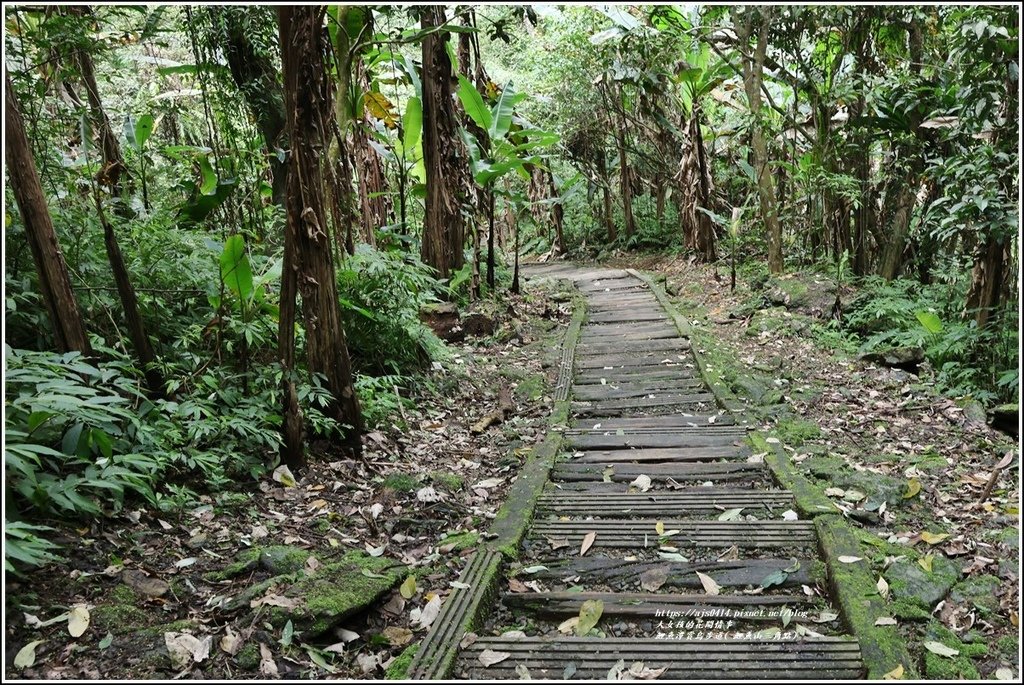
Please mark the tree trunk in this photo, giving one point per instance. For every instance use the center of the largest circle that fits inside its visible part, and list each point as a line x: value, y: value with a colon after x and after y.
x: 443, y: 154
x: 54, y: 283
x: 110, y: 177
x: 625, y: 181
x: 609, y: 219
x: 309, y: 120
x: 891, y: 264
x: 256, y: 78
x: 753, y: 70
x: 557, y: 214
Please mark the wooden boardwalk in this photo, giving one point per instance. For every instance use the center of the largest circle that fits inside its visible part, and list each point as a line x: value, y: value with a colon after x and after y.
x: 695, y: 554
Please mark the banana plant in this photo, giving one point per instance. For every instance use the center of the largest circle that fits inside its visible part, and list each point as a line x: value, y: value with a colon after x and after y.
x: 501, y: 143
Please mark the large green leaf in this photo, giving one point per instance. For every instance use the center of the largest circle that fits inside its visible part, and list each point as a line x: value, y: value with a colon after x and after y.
x: 209, y: 184
x: 143, y: 130
x: 501, y: 115
x: 412, y: 124
x: 931, y: 322
x: 235, y: 270
x: 473, y: 103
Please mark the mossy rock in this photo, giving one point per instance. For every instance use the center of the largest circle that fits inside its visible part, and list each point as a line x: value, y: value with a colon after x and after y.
x: 248, y: 658
x: 1008, y: 647
x: 908, y: 581
x: 276, y: 559
x: 878, y: 487
x: 120, y: 612
x: 1009, y: 537
x: 959, y: 667
x: 337, y: 590
x: 750, y: 388
x: 787, y: 292
x: 929, y: 463
x: 460, y: 541
x: 980, y: 592
x: 447, y: 479
x: 795, y: 432
x: 823, y: 466
x: 401, y: 482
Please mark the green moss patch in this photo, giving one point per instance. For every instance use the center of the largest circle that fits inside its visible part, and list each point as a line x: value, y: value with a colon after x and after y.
x: 399, y: 668
x: 401, y: 482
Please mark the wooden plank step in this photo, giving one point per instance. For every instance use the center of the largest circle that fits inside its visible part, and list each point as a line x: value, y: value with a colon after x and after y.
x: 659, y: 401
x: 634, y: 374
x: 649, y: 440
x: 624, y: 328
x: 618, y: 303
x: 663, y: 345
x: 608, y: 391
x: 658, y: 472
x: 675, y: 455
x: 582, y: 504
x: 727, y: 574
x: 756, y: 608
x: 641, y: 533
x: 680, y: 421
x: 627, y: 315
x: 622, y: 360
x: 825, y: 658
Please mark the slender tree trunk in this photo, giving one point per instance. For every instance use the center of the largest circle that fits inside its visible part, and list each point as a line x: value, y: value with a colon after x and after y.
x: 557, y: 214
x: 110, y: 176
x: 753, y: 70
x: 309, y: 120
x: 130, y: 304
x: 609, y: 219
x: 490, y: 238
x: 54, y: 283
x: 891, y: 264
x: 443, y: 154
x: 625, y: 181
x: 256, y: 78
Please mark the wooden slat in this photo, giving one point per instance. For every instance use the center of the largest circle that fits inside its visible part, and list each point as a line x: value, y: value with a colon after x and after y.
x: 678, y: 420
x: 657, y: 472
x: 739, y: 573
x: 661, y: 444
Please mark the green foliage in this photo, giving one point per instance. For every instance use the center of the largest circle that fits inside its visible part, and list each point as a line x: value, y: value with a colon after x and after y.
x: 967, y: 361
x: 24, y: 544
x: 381, y: 399
x: 381, y: 293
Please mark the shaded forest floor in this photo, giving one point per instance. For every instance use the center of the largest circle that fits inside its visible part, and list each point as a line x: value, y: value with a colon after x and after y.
x: 334, y: 574
x: 341, y: 573
x: 907, y: 466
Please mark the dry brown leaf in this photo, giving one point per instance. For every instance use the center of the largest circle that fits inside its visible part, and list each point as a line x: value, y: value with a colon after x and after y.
x: 710, y: 586
x: 588, y: 541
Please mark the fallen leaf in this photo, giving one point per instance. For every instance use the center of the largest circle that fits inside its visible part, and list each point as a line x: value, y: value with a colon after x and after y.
x: 368, y: 662
x: 137, y: 580
x: 185, y: 648
x: 925, y: 562
x: 78, y: 620
x: 273, y: 600
x: 641, y: 483
x: 106, y: 641
x: 790, y: 515
x: 590, y: 614
x: 894, y: 674
x: 850, y: 560
x: 375, y: 551
x: 835, y: 492
x: 639, y: 671
x: 777, y: 577
x: 408, y: 588
x: 517, y: 585
x: 568, y: 625
x: 283, y: 475
x: 489, y: 483
x: 883, y: 587
x: 467, y: 640
x: 588, y: 541
x: 489, y: 657
x: 1004, y: 674
x: 730, y: 514
x: 710, y: 586
x: 397, y: 636
x: 913, y: 487
x: 653, y: 578
x: 428, y: 494
x: 885, y: 621
x: 940, y: 649
x: 659, y: 527
x: 26, y: 656
x: 268, y: 666
x: 535, y: 569
x: 933, y: 538
x: 429, y: 612
x: 231, y: 642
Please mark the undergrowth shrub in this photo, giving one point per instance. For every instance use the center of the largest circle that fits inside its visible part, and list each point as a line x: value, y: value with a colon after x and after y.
x: 381, y: 293
x: 967, y: 361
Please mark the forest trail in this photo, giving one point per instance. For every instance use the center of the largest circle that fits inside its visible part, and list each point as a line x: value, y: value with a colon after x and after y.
x: 658, y: 522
